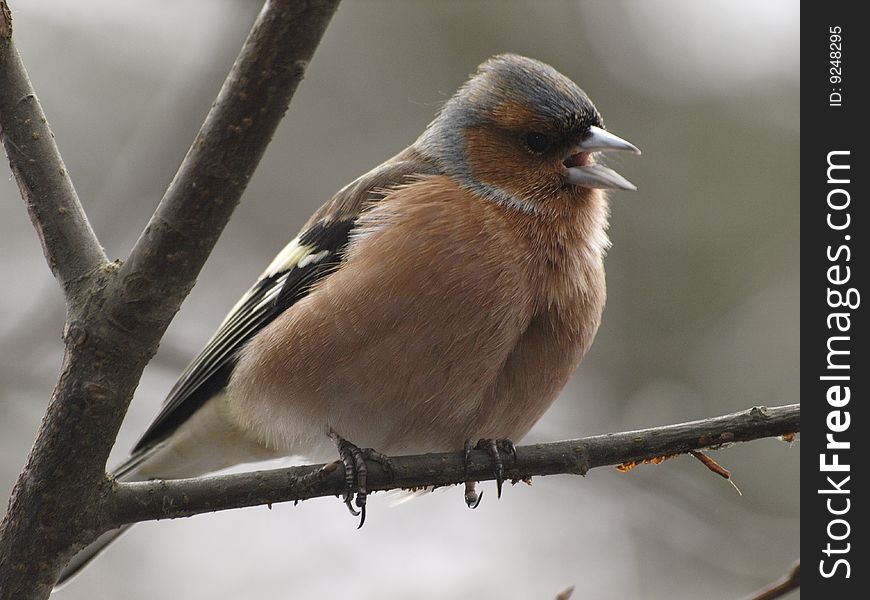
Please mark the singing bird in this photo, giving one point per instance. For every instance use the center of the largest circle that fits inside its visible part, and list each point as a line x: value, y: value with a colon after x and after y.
x: 446, y: 295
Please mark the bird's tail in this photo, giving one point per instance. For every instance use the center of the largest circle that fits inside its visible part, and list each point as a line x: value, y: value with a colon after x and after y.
x: 205, y: 443
x: 126, y: 471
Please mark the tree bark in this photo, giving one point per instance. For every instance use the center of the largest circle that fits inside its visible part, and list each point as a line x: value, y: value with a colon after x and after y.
x: 68, y: 242
x: 117, y: 313
x: 150, y: 500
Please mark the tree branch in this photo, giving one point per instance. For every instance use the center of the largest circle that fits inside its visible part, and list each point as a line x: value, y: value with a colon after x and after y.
x: 779, y: 588
x: 220, y: 162
x: 162, y: 499
x: 118, y: 316
x: 68, y: 242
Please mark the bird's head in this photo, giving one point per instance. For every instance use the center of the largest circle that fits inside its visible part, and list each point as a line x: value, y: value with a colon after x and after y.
x: 519, y: 133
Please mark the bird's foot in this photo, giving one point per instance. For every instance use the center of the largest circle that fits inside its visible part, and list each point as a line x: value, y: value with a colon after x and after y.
x: 493, y: 447
x: 472, y: 498
x: 356, y: 473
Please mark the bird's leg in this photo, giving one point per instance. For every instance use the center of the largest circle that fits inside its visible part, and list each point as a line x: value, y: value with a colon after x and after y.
x: 349, y: 456
x: 356, y: 472
x: 472, y: 500
x: 493, y: 447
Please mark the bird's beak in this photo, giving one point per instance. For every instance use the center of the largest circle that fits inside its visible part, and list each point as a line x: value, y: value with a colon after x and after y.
x: 580, y: 172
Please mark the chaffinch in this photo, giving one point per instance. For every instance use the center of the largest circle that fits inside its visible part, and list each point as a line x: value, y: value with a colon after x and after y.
x: 445, y: 295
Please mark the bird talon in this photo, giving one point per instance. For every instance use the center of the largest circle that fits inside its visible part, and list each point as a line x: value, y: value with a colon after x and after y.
x: 382, y: 459
x: 354, y: 459
x: 492, y: 447
x: 467, y: 459
x: 472, y: 499
x: 349, y: 505
x: 506, y: 445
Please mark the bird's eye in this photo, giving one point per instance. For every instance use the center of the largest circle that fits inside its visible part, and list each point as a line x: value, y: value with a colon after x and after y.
x: 538, y: 142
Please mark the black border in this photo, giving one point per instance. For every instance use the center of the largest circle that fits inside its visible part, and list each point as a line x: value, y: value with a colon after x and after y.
x: 826, y: 128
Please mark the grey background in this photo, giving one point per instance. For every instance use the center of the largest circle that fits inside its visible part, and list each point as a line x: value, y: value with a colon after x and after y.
x: 702, y: 317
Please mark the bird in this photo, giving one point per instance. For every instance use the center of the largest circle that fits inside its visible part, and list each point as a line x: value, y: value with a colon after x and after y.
x: 446, y: 295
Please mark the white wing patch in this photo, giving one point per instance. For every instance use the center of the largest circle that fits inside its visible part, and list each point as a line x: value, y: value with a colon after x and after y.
x: 310, y: 259
x: 290, y: 257
x: 272, y: 294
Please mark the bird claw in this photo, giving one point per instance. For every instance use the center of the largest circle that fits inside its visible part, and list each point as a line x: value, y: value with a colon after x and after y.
x: 467, y: 460
x: 472, y: 499
x: 493, y: 447
x: 349, y: 505
x: 356, y: 474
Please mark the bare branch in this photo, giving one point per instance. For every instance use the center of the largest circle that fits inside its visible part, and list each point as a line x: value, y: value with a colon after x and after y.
x: 161, y: 499
x: 70, y: 245
x: 222, y: 158
x: 57, y: 504
x: 789, y: 582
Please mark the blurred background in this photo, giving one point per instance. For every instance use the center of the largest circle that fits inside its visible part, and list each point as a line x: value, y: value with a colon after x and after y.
x: 702, y: 317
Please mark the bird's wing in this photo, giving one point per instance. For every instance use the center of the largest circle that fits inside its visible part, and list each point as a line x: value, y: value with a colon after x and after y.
x: 310, y: 257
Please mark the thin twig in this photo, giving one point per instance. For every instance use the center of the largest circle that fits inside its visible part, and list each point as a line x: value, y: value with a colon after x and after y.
x: 711, y: 464
x: 716, y: 468
x: 160, y: 499
x: 68, y: 241
x: 789, y: 582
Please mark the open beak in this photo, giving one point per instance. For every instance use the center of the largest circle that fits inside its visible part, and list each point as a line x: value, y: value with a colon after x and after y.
x: 579, y: 170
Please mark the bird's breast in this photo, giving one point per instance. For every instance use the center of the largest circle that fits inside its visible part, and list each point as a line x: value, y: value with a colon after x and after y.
x: 435, y: 328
